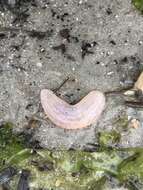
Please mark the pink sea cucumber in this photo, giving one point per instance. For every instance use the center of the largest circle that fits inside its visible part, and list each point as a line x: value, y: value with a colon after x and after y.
x: 85, y: 112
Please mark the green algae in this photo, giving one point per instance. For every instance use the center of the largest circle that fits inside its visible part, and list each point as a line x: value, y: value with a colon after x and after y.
x: 130, y: 170
x: 72, y: 170
x: 138, y: 4
x: 109, y: 138
x: 121, y: 123
x: 10, y: 145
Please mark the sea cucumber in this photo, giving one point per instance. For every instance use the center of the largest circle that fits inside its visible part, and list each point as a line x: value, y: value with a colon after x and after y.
x: 84, y: 113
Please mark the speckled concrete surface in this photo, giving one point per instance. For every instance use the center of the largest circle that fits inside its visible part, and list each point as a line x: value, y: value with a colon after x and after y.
x: 101, y: 48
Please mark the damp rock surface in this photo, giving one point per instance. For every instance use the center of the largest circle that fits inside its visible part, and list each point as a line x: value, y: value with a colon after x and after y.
x: 97, y: 44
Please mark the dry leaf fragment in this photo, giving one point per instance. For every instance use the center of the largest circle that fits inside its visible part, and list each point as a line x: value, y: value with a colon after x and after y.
x: 139, y: 84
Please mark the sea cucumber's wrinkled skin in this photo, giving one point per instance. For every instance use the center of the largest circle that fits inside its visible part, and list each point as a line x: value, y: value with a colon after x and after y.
x: 77, y: 116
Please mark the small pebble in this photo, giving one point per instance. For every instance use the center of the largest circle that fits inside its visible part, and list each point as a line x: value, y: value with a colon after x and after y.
x: 102, y: 64
x: 129, y: 93
x: 80, y: 2
x: 42, y: 50
x: 129, y: 117
x: 140, y: 42
x: 2, y: 14
x: 20, y: 172
x: 46, y: 5
x: 110, y: 53
x: 134, y: 123
x: 110, y: 73
x: 115, y: 62
x: 39, y: 64
x: 58, y: 182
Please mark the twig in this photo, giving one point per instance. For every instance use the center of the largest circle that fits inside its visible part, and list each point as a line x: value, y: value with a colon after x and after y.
x: 32, y: 33
x: 61, y: 85
x: 118, y: 91
x: 134, y: 104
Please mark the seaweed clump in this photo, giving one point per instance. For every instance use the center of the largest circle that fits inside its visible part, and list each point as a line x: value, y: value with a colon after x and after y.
x: 10, y: 144
x: 68, y: 169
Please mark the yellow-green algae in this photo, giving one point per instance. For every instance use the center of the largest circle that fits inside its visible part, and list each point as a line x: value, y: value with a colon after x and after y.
x: 71, y: 170
x: 109, y: 138
x: 138, y: 4
x: 121, y: 123
x: 11, y: 146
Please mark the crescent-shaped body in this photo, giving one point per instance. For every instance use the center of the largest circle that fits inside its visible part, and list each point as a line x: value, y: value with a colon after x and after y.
x: 67, y: 116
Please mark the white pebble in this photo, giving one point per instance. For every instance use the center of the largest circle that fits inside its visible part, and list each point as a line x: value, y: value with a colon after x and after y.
x: 39, y: 64
x: 42, y: 49
x: 140, y: 42
x: 46, y: 5
x: 2, y: 14
x: 73, y: 69
x: 102, y: 64
x: 110, y: 53
x: 110, y: 73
